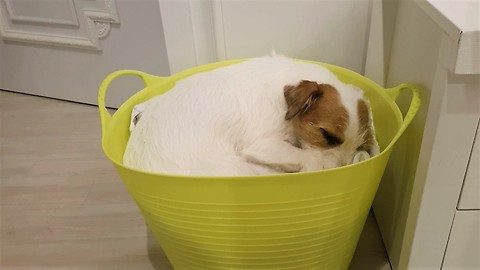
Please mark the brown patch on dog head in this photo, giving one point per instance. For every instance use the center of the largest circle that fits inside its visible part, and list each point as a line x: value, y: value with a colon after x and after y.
x: 317, y: 113
x: 364, y: 126
x: 300, y: 98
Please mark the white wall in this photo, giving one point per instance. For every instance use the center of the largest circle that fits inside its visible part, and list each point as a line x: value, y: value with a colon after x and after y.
x: 199, y: 32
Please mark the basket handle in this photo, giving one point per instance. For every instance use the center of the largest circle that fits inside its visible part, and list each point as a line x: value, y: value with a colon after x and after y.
x: 394, y: 92
x: 105, y: 116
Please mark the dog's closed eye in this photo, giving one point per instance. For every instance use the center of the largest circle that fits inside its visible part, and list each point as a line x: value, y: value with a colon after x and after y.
x: 330, y: 138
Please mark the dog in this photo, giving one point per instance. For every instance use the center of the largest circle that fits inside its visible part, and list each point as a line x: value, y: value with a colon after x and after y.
x: 266, y: 115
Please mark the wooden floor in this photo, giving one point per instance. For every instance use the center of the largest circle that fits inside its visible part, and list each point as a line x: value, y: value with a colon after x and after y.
x: 63, y: 205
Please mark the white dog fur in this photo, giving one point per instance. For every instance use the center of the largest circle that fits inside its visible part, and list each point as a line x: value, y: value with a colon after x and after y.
x: 232, y: 122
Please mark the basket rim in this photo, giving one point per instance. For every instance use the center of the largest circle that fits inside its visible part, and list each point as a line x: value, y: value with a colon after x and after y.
x: 211, y: 66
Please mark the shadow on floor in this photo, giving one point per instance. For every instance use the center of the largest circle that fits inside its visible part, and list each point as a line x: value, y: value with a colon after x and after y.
x: 155, y: 253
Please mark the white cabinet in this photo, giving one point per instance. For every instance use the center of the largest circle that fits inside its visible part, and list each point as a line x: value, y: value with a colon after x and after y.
x: 470, y: 197
x: 435, y: 45
x: 464, y: 246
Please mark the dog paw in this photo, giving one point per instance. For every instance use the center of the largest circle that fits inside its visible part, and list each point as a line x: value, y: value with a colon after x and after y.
x: 265, y: 160
x: 288, y: 168
x: 360, y: 156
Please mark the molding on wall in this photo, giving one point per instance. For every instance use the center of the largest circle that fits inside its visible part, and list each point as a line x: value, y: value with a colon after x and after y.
x: 380, y: 40
x: 95, y: 25
x: 102, y: 29
x: 219, y: 30
x: 190, y: 33
x: 204, y: 36
x: 20, y: 18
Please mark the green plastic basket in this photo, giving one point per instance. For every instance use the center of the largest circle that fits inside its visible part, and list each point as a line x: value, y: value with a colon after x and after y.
x: 292, y: 221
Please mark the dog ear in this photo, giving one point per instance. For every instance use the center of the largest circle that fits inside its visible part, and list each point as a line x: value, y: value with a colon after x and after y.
x: 300, y: 98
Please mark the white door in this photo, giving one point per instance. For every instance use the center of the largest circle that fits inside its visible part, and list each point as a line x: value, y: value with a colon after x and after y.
x: 64, y: 48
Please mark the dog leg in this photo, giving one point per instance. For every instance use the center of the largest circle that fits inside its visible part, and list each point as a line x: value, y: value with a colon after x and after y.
x: 275, y: 153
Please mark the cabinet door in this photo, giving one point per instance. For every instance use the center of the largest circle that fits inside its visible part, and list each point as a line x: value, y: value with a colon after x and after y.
x: 464, y: 245
x: 470, y: 197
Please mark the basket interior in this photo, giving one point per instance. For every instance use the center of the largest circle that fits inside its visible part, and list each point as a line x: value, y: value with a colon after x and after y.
x: 386, y: 115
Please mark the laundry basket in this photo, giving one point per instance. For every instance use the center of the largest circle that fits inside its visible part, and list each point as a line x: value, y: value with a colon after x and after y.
x: 291, y: 221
